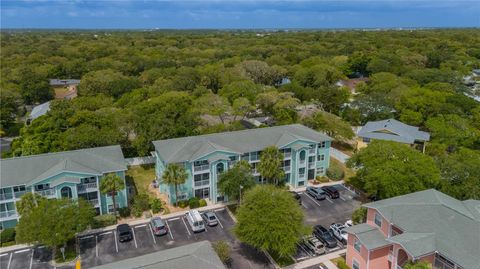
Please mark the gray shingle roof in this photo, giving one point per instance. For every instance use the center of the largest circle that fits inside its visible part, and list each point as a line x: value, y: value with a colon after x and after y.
x: 198, y: 255
x: 194, y: 147
x: 369, y: 236
x: 30, y: 169
x: 393, y: 130
x: 417, y: 244
x: 63, y: 82
x: 39, y: 110
x: 453, y: 226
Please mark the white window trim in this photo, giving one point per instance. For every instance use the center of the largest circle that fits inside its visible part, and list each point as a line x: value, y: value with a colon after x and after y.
x: 359, y: 244
x: 355, y: 262
x: 375, y: 219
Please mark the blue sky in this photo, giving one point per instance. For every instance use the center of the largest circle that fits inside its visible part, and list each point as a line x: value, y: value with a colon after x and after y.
x: 182, y: 14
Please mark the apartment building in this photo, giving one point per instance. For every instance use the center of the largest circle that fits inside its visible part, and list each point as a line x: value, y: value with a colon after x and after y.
x: 204, y: 157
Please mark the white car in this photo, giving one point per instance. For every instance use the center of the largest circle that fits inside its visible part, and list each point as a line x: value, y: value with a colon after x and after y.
x: 338, y: 230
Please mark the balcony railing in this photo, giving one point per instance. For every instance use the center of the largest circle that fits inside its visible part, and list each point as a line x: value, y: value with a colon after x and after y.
x: 286, y: 168
x: 302, y: 162
x: 287, y: 155
x: 201, y: 182
x: 94, y: 202
x: 311, y: 165
x: 47, y: 192
x: 19, y: 194
x: 6, y: 196
x: 7, y: 214
x: 311, y: 151
x: 197, y: 168
x: 86, y: 187
x: 302, y: 176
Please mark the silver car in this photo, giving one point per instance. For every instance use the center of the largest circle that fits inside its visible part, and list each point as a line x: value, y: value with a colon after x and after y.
x: 316, y: 192
x: 314, y: 245
x: 210, y: 218
x: 158, y: 226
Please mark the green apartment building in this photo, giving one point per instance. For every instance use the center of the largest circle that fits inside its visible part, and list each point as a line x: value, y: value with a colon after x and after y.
x: 204, y: 157
x: 69, y: 174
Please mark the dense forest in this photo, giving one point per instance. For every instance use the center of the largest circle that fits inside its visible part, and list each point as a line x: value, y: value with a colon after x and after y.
x: 142, y: 86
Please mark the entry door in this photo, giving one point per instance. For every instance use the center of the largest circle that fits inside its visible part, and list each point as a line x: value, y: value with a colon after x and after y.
x: 203, y: 193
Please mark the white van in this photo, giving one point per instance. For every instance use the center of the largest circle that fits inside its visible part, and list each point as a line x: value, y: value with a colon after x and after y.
x: 195, y: 220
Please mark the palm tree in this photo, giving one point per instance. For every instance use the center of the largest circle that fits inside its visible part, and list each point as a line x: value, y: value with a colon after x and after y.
x: 270, y: 166
x: 111, y: 184
x: 174, y: 175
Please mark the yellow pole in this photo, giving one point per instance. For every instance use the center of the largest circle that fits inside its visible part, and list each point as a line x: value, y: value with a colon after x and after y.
x: 78, y: 265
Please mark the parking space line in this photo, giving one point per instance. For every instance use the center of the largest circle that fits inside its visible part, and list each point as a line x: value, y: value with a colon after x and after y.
x: 169, y: 230
x: 343, y: 199
x: 177, y: 218
x: 21, y: 251
x: 9, y: 260
x: 96, y: 246
x: 219, y: 222
x: 328, y: 199
x: 31, y: 259
x: 153, y: 236
x: 4, y: 254
x: 106, y: 233
x: 86, y: 237
x: 140, y: 226
x: 186, y: 226
x: 220, y: 209
x: 134, y: 238
x: 116, y: 243
x: 312, y: 199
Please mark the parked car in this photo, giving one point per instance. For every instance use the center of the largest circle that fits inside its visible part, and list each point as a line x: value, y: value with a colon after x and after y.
x: 210, y: 218
x: 297, y: 197
x: 195, y: 221
x: 314, y: 245
x: 158, y: 226
x: 338, y: 230
x: 349, y: 223
x: 331, y: 191
x: 316, y: 192
x: 325, y: 236
x: 124, y: 233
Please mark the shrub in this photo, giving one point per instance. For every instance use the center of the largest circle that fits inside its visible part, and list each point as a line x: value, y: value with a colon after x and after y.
x: 202, y: 203
x: 103, y: 221
x: 140, y: 204
x: 342, y: 265
x: 223, y: 251
x: 194, y: 202
x: 322, y: 179
x: 155, y: 205
x: 124, y: 212
x: 183, y: 203
x: 7, y: 235
x: 335, y: 172
x: 359, y: 215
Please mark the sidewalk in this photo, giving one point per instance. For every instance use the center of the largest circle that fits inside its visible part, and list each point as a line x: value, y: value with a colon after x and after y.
x: 325, y: 259
x: 112, y: 227
x: 300, y: 189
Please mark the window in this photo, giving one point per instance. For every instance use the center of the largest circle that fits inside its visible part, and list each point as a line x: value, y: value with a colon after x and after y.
x: 233, y: 158
x: 88, y: 180
x: 220, y: 168
x: 42, y: 187
x: 355, y: 264
x: 245, y: 157
x: 366, y: 140
x: 320, y: 170
x: 302, y: 155
x: 378, y: 219
x: 19, y: 188
x: 357, y: 245
x: 66, y: 192
x: 200, y: 177
x: 321, y: 145
x: 321, y: 157
x: 301, y: 172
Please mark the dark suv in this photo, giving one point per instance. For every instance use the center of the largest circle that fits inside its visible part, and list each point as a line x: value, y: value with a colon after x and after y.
x: 332, y: 192
x: 325, y: 236
x: 124, y: 233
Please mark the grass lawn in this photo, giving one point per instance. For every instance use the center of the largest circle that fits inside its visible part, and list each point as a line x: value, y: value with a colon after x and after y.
x: 141, y: 176
x: 347, y: 171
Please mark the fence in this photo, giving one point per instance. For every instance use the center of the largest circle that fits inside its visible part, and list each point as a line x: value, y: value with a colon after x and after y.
x: 140, y: 160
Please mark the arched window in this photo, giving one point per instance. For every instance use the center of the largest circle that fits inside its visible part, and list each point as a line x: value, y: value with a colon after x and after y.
x: 66, y: 192
x: 302, y: 155
x: 220, y: 168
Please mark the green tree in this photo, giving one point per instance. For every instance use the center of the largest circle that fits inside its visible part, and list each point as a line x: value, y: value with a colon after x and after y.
x: 454, y: 131
x: 54, y: 222
x: 175, y: 175
x: 245, y: 88
x: 387, y: 169
x: 242, y: 107
x: 213, y: 104
x: 109, y: 82
x: 235, y: 180
x: 28, y: 202
x: 223, y: 251
x: 359, y: 215
x: 417, y: 265
x: 112, y: 184
x: 270, y: 166
x: 260, y: 206
x: 331, y: 125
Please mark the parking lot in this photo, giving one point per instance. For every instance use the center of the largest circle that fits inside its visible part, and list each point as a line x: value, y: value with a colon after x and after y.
x: 31, y: 258
x: 326, y: 212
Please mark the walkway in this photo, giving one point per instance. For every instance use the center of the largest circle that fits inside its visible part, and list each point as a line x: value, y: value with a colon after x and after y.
x: 325, y: 259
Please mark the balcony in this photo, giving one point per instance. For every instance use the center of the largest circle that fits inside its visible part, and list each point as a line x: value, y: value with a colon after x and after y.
x: 301, y: 176
x: 286, y: 168
x: 302, y: 162
x: 87, y: 187
x: 198, y: 168
x: 19, y: 194
x: 201, y: 183
x: 94, y: 202
x: 49, y: 193
x: 287, y: 155
x: 6, y: 196
x: 311, y: 151
x: 311, y: 165
x: 8, y: 214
